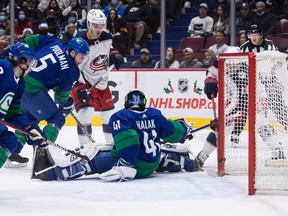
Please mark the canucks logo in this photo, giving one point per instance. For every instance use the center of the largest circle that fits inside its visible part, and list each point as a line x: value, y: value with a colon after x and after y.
x: 99, y: 63
x: 183, y: 85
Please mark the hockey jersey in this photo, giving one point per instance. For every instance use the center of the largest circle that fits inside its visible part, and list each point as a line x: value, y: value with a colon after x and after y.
x: 55, y: 68
x: 10, y: 95
x: 137, y: 137
x: 97, y: 62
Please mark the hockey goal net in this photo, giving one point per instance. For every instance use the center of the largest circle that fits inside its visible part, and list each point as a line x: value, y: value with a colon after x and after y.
x: 253, y: 133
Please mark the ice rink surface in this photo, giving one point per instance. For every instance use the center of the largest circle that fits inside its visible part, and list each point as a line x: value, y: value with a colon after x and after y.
x: 178, y: 194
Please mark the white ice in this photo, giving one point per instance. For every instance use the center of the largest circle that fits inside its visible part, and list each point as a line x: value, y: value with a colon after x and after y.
x: 161, y: 194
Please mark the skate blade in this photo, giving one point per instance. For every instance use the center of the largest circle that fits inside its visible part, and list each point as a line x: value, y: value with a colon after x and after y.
x: 279, y: 163
x: 14, y: 164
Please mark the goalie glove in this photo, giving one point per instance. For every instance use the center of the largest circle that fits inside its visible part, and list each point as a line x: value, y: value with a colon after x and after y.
x: 211, y: 87
x: 36, y: 139
x: 188, y: 128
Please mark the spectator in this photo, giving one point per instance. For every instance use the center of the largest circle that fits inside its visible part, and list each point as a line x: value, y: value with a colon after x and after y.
x: 72, y: 18
x: 202, y: 25
x: 75, y: 6
x: 118, y: 27
x: 221, y: 21
x: 53, y: 23
x: 69, y: 33
x: 280, y: 10
x: 242, y: 39
x: 170, y: 61
x: 27, y: 32
x: 154, y: 21
x: 4, y: 40
x: 138, y: 14
x: 114, y: 4
x: 265, y: 19
x: 43, y: 28
x: 145, y: 60
x: 209, y: 58
x: 4, y: 22
x: 220, y: 45
x: 33, y: 14
x: 243, y: 20
x: 189, y: 59
x: 20, y: 24
x: 54, y: 5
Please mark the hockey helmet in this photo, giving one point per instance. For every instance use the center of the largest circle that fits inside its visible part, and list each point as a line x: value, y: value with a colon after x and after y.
x: 79, y: 45
x: 232, y: 49
x: 22, y: 53
x: 135, y: 100
x: 96, y: 17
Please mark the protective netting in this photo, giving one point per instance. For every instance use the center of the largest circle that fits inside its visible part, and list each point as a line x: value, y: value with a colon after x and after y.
x: 271, y: 121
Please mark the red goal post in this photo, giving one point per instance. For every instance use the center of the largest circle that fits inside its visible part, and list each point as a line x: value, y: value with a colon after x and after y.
x: 253, y: 122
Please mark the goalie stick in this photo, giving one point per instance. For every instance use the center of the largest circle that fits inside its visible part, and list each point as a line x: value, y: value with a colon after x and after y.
x: 47, y: 141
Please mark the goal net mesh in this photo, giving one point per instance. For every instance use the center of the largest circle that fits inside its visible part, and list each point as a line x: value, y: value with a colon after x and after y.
x: 262, y: 102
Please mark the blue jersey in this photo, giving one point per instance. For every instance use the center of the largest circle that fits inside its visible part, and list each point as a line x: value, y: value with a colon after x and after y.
x: 11, y: 90
x: 137, y: 136
x: 55, y: 69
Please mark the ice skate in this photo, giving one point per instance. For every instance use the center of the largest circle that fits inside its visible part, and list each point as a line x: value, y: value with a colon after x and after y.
x: 278, y: 158
x: 234, y: 141
x: 201, y: 158
x: 15, y: 160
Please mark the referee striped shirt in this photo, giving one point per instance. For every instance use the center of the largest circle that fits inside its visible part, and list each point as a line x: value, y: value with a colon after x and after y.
x: 266, y: 44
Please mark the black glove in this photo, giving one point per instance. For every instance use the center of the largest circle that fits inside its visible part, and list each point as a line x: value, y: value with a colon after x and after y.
x: 188, y: 128
x: 117, y: 59
x: 38, y: 139
x: 82, y: 93
x: 67, y: 107
x: 211, y: 87
x: 214, y: 124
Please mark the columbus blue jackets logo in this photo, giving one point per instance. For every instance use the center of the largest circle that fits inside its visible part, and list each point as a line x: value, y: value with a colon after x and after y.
x: 99, y: 63
x: 183, y: 85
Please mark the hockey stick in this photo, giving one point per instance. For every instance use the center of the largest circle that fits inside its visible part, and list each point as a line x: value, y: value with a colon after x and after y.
x: 212, y: 123
x: 214, y: 108
x: 47, y: 141
x: 89, y: 91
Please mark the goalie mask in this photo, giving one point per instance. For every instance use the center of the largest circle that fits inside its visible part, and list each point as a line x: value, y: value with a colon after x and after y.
x: 135, y: 100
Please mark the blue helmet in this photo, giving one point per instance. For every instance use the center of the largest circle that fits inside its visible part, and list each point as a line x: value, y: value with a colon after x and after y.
x: 79, y: 45
x: 135, y: 100
x: 22, y: 51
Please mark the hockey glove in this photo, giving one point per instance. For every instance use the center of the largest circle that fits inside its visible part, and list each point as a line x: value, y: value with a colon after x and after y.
x: 38, y: 137
x: 82, y: 93
x: 67, y: 107
x: 211, y: 87
x: 188, y: 128
x: 214, y: 124
x: 117, y: 59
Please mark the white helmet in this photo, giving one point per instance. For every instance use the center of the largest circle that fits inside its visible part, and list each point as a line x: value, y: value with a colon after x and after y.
x: 97, y: 17
x: 232, y: 49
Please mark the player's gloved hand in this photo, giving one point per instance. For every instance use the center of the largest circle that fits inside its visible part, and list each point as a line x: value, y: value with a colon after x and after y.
x: 211, y: 87
x: 38, y: 137
x: 188, y: 128
x: 82, y: 93
x: 214, y: 124
x: 117, y: 59
x: 67, y: 107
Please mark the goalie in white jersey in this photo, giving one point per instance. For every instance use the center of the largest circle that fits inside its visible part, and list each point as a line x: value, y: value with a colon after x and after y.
x: 91, y: 91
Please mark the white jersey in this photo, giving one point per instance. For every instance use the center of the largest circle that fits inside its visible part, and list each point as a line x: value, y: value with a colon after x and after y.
x: 97, y: 62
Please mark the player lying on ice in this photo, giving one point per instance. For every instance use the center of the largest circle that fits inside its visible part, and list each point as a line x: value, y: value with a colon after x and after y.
x: 137, y: 132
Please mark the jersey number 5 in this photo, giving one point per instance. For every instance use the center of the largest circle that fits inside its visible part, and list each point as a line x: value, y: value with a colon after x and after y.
x: 43, y: 62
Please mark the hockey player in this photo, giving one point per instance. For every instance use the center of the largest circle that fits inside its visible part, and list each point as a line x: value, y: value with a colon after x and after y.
x: 237, y: 106
x: 21, y: 58
x: 94, y: 71
x: 137, y: 131
x: 56, y: 70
